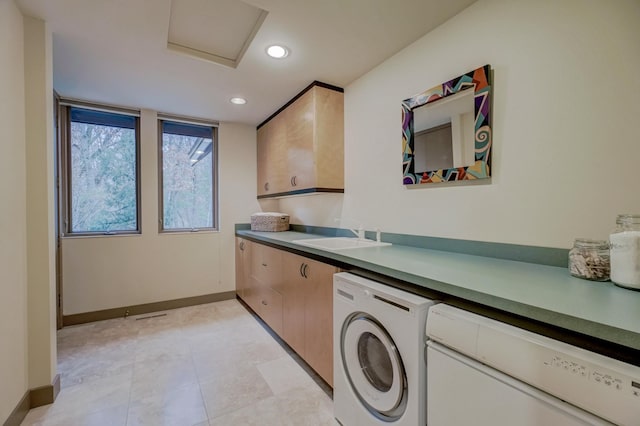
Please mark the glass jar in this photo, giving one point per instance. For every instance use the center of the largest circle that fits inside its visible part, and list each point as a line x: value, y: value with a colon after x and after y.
x: 625, y: 251
x: 589, y: 259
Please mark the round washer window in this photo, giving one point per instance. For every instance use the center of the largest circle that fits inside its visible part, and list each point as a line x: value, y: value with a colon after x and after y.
x: 373, y: 366
x: 375, y: 361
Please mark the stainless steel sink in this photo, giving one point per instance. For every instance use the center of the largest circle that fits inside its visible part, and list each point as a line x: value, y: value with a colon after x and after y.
x: 339, y: 243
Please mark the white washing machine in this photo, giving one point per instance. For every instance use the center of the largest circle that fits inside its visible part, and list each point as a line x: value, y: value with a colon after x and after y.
x: 379, y: 373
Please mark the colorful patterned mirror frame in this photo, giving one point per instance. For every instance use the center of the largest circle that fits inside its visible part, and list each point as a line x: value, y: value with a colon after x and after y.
x: 480, y: 81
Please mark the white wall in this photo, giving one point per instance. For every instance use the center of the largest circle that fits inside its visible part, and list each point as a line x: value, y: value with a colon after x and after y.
x: 13, y: 221
x: 111, y: 272
x: 565, y: 139
x: 238, y: 190
x: 41, y: 271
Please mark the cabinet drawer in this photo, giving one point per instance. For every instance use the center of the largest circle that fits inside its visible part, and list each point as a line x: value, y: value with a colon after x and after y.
x: 266, y: 265
x: 251, y: 295
x: 271, y: 308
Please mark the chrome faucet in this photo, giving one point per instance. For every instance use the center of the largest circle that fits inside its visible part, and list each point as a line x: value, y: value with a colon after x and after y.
x: 359, y: 233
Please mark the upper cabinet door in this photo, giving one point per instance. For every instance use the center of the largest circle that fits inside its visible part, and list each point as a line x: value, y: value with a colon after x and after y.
x: 272, y: 156
x: 301, y: 149
x: 329, y: 138
x: 263, y: 159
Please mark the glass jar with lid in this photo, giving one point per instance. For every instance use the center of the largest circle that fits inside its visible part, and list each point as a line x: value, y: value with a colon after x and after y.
x: 589, y: 259
x: 625, y: 251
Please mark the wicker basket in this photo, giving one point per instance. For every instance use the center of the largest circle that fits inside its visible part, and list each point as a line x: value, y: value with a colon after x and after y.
x: 269, y: 221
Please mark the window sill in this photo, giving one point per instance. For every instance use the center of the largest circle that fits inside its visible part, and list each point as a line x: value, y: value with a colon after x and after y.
x: 185, y: 232
x: 103, y: 235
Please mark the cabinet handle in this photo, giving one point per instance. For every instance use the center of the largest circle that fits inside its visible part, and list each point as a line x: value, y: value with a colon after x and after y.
x: 305, y: 267
x: 300, y: 269
x: 266, y: 186
x: 242, y: 246
x: 264, y: 264
x: 293, y: 181
x: 264, y: 303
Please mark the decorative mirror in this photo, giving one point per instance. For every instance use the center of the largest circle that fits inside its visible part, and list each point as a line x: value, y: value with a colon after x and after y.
x: 446, y: 131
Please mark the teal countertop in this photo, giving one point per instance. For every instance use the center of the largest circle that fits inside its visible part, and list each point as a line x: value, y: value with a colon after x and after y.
x: 544, y: 293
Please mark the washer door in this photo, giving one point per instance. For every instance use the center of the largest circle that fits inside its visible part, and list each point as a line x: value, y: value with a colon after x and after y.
x: 373, y: 366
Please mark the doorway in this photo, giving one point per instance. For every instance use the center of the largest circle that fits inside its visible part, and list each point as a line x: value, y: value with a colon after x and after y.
x: 57, y: 137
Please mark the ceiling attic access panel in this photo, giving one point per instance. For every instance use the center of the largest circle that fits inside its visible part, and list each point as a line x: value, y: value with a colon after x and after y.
x: 219, y: 31
x: 301, y: 146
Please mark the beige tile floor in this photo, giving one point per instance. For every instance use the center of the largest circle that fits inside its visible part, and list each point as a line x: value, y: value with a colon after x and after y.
x: 212, y: 364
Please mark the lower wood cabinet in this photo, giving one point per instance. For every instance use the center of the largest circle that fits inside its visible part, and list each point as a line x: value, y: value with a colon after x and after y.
x: 270, y: 309
x: 294, y: 296
x: 243, y: 265
x: 264, y: 273
x: 307, y: 290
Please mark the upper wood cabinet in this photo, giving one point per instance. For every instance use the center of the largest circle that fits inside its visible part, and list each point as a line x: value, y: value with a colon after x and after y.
x: 272, y: 156
x: 301, y: 147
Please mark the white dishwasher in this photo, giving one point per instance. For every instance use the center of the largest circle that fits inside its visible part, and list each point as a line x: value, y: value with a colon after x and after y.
x: 484, y: 372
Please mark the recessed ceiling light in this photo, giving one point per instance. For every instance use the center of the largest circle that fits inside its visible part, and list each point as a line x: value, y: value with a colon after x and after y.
x: 238, y: 101
x: 277, y: 51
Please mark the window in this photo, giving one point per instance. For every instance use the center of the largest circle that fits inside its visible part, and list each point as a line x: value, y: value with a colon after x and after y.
x: 188, y: 158
x: 101, y: 171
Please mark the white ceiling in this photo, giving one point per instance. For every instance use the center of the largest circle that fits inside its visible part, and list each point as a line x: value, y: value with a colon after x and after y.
x: 115, y: 51
x: 218, y: 31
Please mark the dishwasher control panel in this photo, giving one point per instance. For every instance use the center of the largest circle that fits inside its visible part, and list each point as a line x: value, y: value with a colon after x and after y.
x: 607, y: 380
x: 603, y: 386
x: 601, y: 377
x: 568, y: 366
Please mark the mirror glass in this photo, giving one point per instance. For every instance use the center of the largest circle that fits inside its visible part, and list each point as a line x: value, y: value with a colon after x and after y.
x: 446, y: 131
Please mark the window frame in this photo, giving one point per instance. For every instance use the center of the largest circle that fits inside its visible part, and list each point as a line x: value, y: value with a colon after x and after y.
x: 214, y: 174
x: 65, y: 182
